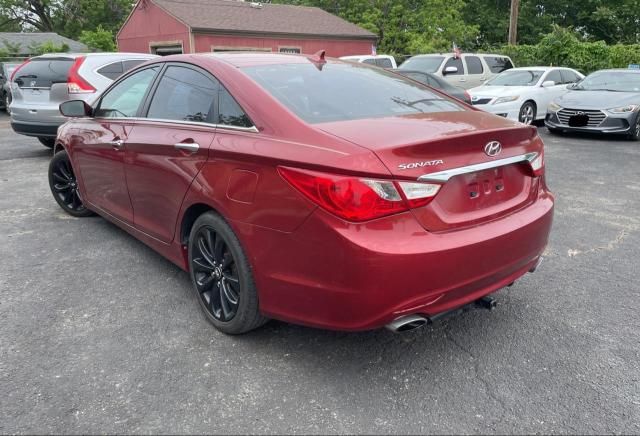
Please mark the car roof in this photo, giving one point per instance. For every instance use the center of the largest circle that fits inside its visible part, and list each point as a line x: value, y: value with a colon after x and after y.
x: 251, y: 59
x: 115, y: 54
x: 366, y: 56
x: 461, y: 54
x: 537, y: 68
x: 619, y: 70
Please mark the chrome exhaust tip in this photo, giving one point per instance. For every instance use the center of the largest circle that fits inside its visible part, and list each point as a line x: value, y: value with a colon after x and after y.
x: 407, y: 323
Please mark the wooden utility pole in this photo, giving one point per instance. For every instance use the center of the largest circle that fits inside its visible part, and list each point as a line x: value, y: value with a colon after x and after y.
x: 513, y: 22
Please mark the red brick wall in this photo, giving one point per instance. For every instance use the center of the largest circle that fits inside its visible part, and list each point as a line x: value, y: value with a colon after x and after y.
x: 334, y: 48
x: 150, y: 25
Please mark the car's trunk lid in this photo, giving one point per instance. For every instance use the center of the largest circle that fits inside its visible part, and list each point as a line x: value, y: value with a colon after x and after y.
x: 418, y: 145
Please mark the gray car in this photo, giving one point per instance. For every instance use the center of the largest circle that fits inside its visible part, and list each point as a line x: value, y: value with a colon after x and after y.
x: 6, y: 69
x: 43, y: 82
x: 607, y: 101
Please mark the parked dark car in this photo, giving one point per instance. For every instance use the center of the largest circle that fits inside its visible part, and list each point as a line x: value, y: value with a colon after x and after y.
x: 6, y: 70
x: 311, y: 190
x: 438, y: 83
x: 606, y: 101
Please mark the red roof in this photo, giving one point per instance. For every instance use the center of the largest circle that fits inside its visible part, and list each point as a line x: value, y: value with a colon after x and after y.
x: 236, y: 16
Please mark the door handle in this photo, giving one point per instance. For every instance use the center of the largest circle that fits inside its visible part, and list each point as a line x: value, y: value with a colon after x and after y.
x: 117, y: 144
x: 191, y: 147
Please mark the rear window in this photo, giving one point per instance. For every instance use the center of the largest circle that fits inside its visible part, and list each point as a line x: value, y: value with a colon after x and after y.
x: 384, y: 63
x: 341, y: 92
x: 43, y: 72
x: 498, y: 64
x: 429, y: 64
x: 112, y: 71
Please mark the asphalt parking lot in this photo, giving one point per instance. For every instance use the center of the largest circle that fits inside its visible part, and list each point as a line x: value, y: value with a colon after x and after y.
x: 99, y: 334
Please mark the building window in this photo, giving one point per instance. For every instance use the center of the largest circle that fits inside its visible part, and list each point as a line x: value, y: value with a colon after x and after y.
x: 166, y: 48
x: 290, y: 50
x: 218, y: 49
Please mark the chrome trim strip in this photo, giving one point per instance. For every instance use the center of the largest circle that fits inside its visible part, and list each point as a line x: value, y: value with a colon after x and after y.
x: 444, y: 176
x: 252, y: 129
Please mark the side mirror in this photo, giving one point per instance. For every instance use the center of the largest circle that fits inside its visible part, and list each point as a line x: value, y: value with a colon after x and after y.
x: 76, y: 109
x: 548, y: 83
x: 450, y: 70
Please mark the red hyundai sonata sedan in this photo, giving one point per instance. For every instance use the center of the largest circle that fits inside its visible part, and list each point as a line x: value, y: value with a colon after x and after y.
x: 310, y: 190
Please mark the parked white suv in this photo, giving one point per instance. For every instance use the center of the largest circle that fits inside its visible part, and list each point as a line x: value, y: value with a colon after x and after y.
x: 382, y: 61
x: 40, y: 84
x: 466, y: 71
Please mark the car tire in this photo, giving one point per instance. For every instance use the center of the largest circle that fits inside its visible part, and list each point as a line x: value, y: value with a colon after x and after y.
x: 47, y: 142
x: 635, y: 134
x: 527, y: 113
x: 6, y: 102
x: 64, y: 186
x: 222, y: 277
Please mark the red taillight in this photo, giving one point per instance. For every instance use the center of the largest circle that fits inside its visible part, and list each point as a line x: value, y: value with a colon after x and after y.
x: 537, y: 165
x: 75, y: 82
x: 358, y: 199
x: 18, y: 69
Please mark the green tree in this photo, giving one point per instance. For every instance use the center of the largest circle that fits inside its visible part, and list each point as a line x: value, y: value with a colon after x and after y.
x: 98, y: 40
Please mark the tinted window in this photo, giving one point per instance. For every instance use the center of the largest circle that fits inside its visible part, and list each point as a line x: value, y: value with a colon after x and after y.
x: 620, y: 81
x: 569, y: 76
x: 418, y: 77
x: 127, y: 65
x: 474, y: 65
x: 428, y: 64
x: 384, y: 63
x: 230, y: 112
x: 183, y: 94
x: 43, y: 72
x: 111, y: 71
x: 123, y: 100
x: 498, y: 64
x: 453, y: 62
x: 369, y: 61
x: 346, y: 91
x: 555, y: 76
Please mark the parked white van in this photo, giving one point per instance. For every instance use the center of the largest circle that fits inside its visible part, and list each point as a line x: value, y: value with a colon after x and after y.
x: 466, y: 71
x: 383, y: 61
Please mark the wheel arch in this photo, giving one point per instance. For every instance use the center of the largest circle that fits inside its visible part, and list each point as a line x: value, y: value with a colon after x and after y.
x: 189, y: 217
x: 58, y: 147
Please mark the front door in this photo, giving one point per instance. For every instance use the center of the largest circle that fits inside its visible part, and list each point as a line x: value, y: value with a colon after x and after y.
x: 100, y: 156
x: 165, y: 153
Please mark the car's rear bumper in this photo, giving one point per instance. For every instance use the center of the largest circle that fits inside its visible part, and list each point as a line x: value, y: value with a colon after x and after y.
x: 336, y: 275
x: 35, y: 129
x: 613, y: 124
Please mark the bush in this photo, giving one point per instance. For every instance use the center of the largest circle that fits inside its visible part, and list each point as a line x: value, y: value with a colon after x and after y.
x: 565, y: 47
x: 98, y: 40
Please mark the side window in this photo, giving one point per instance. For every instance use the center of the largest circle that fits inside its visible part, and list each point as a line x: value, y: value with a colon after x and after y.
x: 369, y: 61
x: 555, y: 76
x: 384, y: 63
x: 127, y: 65
x: 111, y: 71
x: 474, y: 65
x: 230, y: 112
x: 569, y: 76
x: 124, y: 99
x: 498, y: 64
x: 184, y: 94
x: 453, y: 62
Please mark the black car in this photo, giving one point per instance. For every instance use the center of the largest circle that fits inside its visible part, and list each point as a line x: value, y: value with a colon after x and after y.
x: 6, y: 69
x: 607, y: 101
x: 436, y: 82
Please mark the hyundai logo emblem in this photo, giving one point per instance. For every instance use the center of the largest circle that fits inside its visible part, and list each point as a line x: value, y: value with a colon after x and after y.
x: 493, y: 148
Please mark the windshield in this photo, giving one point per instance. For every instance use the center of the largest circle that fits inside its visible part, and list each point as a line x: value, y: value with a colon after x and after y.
x: 340, y: 92
x: 429, y: 64
x: 618, y: 81
x: 516, y: 78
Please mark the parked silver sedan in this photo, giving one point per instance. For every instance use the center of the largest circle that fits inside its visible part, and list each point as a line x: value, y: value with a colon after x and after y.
x: 40, y: 84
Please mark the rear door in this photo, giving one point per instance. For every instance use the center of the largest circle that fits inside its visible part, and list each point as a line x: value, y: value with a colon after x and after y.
x: 476, y: 75
x: 165, y: 151
x: 99, y: 156
x: 39, y: 87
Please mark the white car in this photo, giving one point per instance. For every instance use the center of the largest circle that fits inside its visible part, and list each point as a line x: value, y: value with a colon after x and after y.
x: 523, y: 94
x: 382, y: 61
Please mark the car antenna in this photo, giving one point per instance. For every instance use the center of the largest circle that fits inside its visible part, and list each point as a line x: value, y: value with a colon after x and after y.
x: 318, y: 59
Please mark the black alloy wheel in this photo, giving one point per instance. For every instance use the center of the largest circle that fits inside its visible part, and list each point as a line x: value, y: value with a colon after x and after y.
x: 221, y: 276
x: 64, y: 186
